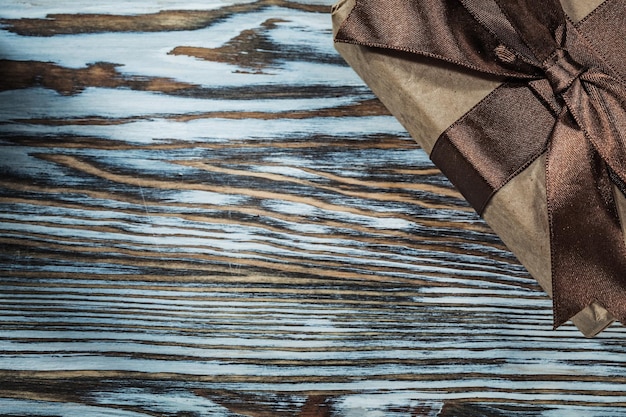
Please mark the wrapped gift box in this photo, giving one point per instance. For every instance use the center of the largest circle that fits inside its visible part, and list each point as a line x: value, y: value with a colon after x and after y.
x: 427, y: 96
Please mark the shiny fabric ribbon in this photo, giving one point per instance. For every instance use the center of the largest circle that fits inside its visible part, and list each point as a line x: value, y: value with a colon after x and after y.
x: 564, y: 95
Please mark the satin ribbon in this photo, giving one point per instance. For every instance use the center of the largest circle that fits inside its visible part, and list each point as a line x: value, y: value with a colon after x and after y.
x: 565, y: 95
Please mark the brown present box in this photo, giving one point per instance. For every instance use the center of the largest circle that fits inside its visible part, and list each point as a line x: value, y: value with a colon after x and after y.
x: 439, y: 95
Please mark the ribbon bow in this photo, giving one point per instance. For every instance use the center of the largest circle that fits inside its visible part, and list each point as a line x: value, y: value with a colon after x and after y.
x: 565, y: 96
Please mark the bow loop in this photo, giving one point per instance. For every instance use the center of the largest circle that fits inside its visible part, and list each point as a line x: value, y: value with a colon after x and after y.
x: 469, y: 33
x: 538, y: 23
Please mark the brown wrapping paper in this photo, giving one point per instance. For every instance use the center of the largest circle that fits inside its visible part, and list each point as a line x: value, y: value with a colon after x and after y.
x: 439, y: 94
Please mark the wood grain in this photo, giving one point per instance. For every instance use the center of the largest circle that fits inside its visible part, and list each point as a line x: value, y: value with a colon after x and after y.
x: 205, y: 212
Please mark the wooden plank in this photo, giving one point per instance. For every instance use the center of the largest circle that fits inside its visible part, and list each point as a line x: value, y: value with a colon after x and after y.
x: 205, y: 212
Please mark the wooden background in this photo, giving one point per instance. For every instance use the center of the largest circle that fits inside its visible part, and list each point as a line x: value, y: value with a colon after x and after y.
x: 204, y: 212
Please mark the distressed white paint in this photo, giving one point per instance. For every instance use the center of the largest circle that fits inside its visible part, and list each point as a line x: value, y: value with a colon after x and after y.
x: 392, y: 303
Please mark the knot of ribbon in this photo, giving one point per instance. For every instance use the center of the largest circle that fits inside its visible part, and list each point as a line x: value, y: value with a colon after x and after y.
x: 561, y: 70
x: 564, y: 96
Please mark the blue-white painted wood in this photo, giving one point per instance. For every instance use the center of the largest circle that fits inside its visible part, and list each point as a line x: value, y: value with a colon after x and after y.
x: 242, y: 229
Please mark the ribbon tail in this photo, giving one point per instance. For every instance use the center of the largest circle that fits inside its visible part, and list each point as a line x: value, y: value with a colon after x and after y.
x: 588, y: 253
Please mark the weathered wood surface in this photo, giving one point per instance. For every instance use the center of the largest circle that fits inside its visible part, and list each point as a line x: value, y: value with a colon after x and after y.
x: 205, y: 212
